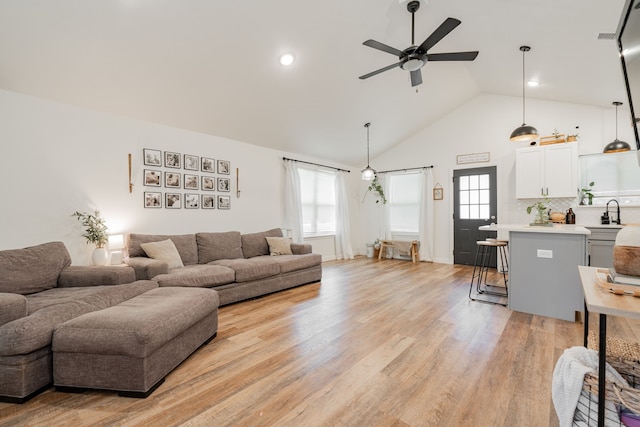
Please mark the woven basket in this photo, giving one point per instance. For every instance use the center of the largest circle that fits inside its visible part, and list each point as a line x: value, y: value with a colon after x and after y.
x: 624, y: 357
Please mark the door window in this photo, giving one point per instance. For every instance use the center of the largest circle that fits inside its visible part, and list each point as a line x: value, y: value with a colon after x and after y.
x: 474, y: 197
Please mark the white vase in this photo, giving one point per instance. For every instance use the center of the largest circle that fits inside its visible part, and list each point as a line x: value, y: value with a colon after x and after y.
x: 100, y: 256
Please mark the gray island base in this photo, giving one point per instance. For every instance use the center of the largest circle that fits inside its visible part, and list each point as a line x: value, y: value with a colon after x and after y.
x: 543, y: 276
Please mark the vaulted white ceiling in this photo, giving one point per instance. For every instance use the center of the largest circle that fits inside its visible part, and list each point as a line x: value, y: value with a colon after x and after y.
x: 211, y: 65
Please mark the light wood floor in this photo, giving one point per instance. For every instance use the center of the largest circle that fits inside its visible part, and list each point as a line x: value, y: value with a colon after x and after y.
x: 386, y: 343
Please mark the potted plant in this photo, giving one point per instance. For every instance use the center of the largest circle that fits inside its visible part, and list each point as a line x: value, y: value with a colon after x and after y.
x: 95, y: 233
x: 587, y: 192
x: 541, y: 207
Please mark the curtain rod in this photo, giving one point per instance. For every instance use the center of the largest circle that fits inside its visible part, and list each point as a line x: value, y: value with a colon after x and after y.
x: 316, y: 164
x: 407, y: 169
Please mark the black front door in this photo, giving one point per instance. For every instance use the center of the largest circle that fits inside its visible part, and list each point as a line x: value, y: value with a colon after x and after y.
x: 475, y: 204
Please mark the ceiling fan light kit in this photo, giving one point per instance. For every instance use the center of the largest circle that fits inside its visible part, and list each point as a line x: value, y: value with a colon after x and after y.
x: 616, y: 146
x: 524, y: 132
x: 414, y: 57
x: 368, y: 173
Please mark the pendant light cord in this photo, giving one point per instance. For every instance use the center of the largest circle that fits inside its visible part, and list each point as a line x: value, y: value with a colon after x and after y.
x: 523, y: 106
x: 367, y: 126
x: 616, y: 122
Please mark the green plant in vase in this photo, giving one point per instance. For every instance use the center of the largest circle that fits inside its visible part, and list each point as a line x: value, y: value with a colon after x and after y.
x: 587, y: 192
x: 541, y: 208
x: 95, y: 231
x: 94, y: 226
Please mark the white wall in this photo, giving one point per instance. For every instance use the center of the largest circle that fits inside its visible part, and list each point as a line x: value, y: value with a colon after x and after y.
x: 59, y: 159
x: 483, y: 125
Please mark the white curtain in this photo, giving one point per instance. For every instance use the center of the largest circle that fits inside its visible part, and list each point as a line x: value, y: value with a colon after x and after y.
x: 386, y: 214
x: 293, y: 201
x: 343, y: 229
x: 425, y: 225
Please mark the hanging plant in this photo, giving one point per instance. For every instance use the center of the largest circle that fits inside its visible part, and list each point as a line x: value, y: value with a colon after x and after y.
x: 377, y: 188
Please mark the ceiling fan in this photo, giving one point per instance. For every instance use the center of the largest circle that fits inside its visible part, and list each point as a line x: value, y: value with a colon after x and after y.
x: 414, y: 57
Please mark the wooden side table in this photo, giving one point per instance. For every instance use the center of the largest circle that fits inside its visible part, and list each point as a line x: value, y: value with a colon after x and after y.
x: 598, y: 300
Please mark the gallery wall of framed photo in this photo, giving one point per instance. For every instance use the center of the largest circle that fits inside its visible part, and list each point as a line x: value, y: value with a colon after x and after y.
x: 184, y: 181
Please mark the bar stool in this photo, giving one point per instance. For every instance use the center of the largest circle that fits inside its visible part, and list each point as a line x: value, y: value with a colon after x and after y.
x: 502, y: 253
x: 481, y: 269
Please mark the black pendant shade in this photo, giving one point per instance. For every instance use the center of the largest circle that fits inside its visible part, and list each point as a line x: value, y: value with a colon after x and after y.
x: 616, y: 146
x: 524, y: 132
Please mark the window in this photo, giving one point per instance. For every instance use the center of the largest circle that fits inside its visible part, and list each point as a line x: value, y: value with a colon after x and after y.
x: 318, y: 202
x: 474, y: 197
x: 404, y: 202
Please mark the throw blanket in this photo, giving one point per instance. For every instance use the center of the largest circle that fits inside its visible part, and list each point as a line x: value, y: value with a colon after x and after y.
x: 568, y: 377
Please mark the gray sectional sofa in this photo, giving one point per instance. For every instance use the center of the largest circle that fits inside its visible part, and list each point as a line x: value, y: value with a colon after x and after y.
x: 238, y: 266
x: 111, y: 327
x: 42, y: 295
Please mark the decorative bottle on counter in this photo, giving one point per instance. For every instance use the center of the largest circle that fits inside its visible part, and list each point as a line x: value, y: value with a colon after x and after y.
x: 571, y: 217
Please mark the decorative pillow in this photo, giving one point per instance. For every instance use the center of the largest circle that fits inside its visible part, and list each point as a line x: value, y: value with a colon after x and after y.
x: 255, y: 244
x: 164, y: 250
x: 279, y: 245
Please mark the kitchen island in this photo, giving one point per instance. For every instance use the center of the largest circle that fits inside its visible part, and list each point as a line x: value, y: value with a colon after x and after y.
x: 543, y: 268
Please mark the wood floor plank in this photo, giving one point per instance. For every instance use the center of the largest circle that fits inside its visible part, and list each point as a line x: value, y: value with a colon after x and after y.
x: 376, y: 343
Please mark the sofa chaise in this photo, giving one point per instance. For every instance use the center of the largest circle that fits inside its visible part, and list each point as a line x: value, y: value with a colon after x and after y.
x: 42, y: 295
x: 238, y: 266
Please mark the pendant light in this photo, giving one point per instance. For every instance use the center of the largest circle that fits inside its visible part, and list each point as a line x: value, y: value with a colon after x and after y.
x: 368, y: 173
x: 524, y: 132
x: 616, y: 146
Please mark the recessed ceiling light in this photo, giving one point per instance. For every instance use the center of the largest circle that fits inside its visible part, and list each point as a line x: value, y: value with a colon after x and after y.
x: 533, y: 83
x: 287, y: 59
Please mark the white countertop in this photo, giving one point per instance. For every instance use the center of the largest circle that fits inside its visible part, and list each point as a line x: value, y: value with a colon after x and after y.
x: 555, y: 228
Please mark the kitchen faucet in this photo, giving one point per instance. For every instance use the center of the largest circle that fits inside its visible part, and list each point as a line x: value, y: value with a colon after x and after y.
x: 605, y: 217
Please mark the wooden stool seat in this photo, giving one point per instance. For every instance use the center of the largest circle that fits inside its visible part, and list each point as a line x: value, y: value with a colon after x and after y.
x: 384, y: 244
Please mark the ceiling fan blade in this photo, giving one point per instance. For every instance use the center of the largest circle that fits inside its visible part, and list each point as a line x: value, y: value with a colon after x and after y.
x: 452, y: 56
x: 373, y: 73
x: 383, y: 47
x: 416, y: 78
x: 445, y: 28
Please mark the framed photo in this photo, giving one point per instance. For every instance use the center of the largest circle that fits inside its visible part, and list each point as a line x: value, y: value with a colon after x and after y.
x: 152, y: 157
x: 172, y: 200
x: 191, y: 162
x: 152, y: 199
x: 224, y: 167
x: 191, y: 182
x: 172, y: 160
x: 208, y: 183
x: 208, y: 201
x: 172, y: 179
x: 224, y: 202
x: 438, y: 193
x: 152, y: 178
x: 224, y: 184
x: 191, y: 201
x: 207, y: 164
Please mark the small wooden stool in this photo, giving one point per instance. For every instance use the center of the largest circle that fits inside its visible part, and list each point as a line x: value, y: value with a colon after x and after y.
x: 414, y: 251
x: 384, y: 244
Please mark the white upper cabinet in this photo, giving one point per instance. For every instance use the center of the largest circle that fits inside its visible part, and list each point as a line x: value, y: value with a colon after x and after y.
x: 548, y: 170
